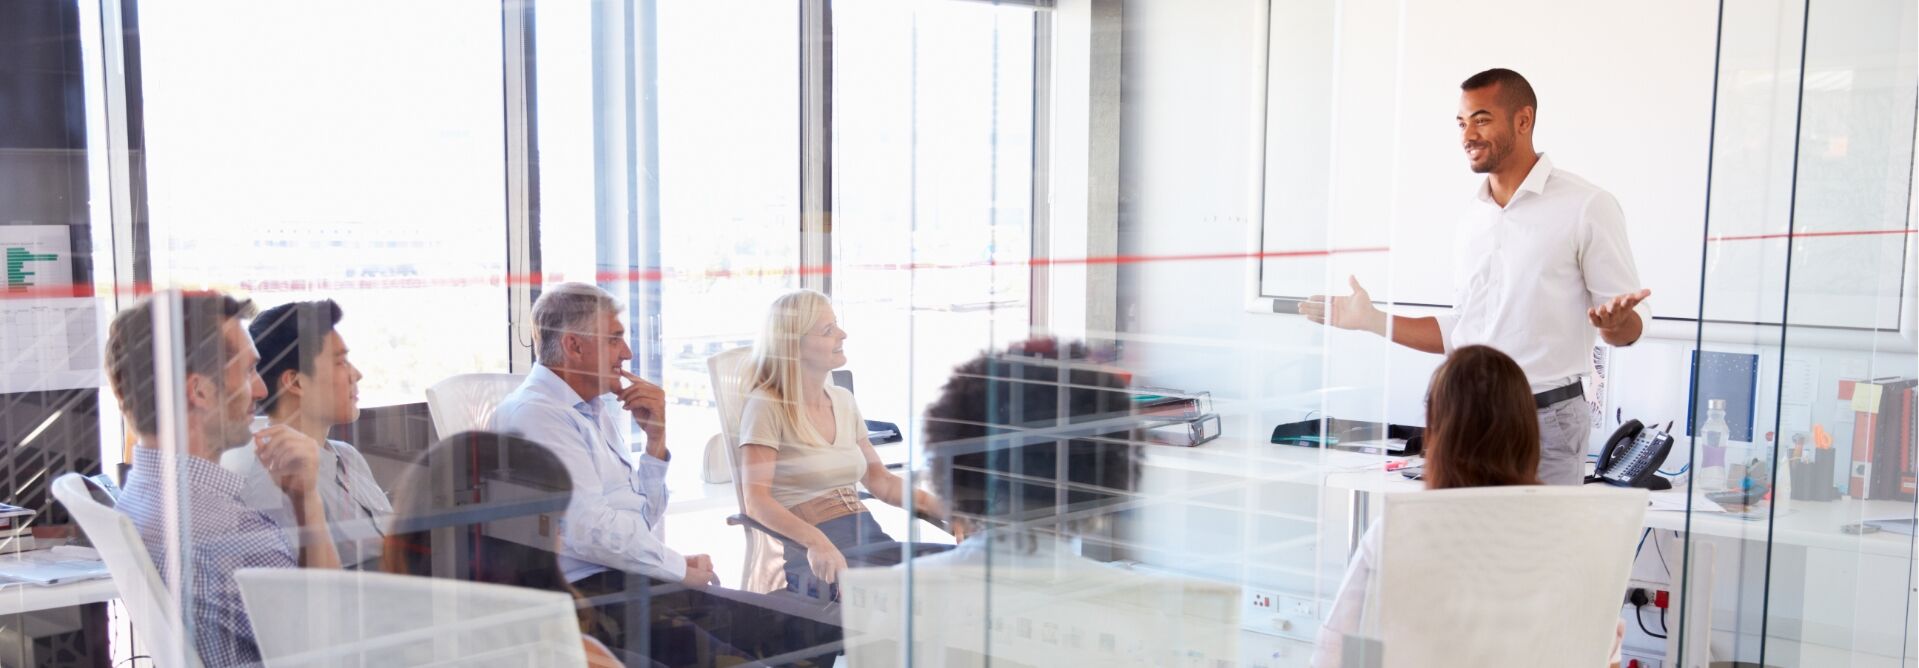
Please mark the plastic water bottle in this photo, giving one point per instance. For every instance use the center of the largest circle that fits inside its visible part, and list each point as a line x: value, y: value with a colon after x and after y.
x: 1713, y: 437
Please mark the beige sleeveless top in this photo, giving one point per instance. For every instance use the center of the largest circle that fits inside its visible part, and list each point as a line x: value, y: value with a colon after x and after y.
x: 807, y: 470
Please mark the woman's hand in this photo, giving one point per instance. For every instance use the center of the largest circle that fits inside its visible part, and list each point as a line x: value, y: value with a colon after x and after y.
x: 827, y: 562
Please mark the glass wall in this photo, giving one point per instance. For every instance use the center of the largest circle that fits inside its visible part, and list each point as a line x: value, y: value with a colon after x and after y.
x: 1133, y: 333
x: 1809, y: 232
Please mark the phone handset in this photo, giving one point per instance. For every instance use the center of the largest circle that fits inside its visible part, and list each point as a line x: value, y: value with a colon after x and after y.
x: 1631, y: 457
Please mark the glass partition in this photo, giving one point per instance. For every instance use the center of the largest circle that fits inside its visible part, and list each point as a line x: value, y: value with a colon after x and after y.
x: 1145, y: 333
x: 1799, y: 540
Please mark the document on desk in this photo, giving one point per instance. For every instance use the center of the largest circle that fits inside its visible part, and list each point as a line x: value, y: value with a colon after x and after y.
x: 52, y: 566
x: 1676, y: 500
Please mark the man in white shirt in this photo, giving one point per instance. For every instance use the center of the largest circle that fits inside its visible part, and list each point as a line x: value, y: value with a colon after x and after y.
x: 575, y: 404
x: 1541, y: 265
x: 616, y: 522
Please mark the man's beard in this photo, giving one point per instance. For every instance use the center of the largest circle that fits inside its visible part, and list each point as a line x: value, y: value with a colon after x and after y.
x: 1495, y: 154
x: 231, y: 433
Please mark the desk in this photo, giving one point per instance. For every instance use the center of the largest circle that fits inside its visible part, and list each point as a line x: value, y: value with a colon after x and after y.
x: 43, y: 624
x: 1813, y: 524
x: 19, y: 597
x: 1823, y: 597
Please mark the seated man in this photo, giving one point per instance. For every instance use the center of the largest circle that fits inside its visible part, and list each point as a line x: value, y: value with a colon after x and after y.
x: 615, y: 524
x: 311, y: 387
x: 218, y: 386
x: 615, y: 521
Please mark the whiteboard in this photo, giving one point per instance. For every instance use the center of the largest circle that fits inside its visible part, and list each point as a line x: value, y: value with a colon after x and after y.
x: 1364, y: 175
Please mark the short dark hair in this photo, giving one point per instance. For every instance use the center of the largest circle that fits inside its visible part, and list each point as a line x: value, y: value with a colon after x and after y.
x: 130, y: 352
x: 424, y: 505
x: 1482, y: 427
x: 1001, y: 394
x: 1514, y: 91
x: 289, y: 337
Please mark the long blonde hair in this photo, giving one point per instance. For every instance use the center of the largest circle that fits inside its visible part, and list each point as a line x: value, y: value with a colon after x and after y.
x: 776, y: 359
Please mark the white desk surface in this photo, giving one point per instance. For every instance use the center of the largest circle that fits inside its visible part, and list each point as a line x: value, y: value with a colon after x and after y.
x: 18, y: 597
x: 1801, y: 523
x: 1814, y: 524
x: 1259, y: 459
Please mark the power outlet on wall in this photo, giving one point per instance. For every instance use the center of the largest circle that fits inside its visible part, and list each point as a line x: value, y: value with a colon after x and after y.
x: 1635, y: 660
x: 1273, y: 613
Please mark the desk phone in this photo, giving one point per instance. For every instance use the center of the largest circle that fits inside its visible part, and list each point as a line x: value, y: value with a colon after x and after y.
x: 1631, y: 457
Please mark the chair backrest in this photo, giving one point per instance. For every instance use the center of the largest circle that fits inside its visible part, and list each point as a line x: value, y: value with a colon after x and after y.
x: 1071, y: 613
x: 1505, y: 576
x: 324, y: 617
x: 467, y: 401
x: 730, y: 369
x: 150, y: 605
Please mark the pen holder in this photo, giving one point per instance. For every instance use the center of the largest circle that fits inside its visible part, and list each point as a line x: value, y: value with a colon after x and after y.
x: 1812, y: 481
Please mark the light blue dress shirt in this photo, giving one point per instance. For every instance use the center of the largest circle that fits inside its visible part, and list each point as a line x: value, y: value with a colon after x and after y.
x: 219, y: 534
x: 617, y: 517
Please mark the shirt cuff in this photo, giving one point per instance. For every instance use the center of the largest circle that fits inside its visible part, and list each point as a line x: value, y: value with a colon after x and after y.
x: 674, y: 570
x: 653, y: 467
x: 1447, y: 321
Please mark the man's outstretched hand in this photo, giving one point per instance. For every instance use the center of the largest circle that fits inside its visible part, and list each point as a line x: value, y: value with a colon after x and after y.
x: 1354, y: 311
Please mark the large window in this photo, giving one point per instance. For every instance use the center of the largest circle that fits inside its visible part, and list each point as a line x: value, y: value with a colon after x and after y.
x: 716, y: 197
x: 933, y: 201
x: 349, y: 151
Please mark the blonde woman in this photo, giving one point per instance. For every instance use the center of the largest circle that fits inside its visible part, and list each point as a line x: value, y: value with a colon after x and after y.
x: 804, y: 449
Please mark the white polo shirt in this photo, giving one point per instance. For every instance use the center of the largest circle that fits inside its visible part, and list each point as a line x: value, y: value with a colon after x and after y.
x: 1524, y: 275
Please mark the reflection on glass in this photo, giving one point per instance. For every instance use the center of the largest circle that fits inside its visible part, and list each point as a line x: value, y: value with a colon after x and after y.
x: 933, y: 153
x: 370, y: 176
x: 1034, y: 449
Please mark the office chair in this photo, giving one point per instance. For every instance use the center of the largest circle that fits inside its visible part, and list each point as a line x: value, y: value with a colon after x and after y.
x: 324, y: 617
x: 763, y: 566
x: 762, y: 571
x: 466, y: 402
x: 150, y: 604
x: 1504, y: 576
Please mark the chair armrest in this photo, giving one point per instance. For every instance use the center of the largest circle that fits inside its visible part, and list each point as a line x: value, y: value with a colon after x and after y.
x: 741, y: 519
x: 918, y: 513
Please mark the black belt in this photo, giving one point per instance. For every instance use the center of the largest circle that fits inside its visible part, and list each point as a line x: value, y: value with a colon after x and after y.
x: 1549, y: 397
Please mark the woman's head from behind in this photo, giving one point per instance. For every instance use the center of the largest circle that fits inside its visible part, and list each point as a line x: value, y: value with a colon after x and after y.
x: 495, y: 500
x: 1482, y: 427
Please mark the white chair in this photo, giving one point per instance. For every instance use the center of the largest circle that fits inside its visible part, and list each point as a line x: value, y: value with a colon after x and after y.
x: 1064, y: 612
x: 1504, y: 576
x: 314, y: 617
x: 763, y: 569
x: 151, y: 606
x: 466, y: 402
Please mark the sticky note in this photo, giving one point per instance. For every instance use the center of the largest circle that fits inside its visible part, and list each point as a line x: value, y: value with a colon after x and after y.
x: 1865, y: 397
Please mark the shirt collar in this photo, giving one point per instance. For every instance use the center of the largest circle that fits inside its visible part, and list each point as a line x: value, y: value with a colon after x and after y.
x: 544, y: 382
x: 202, y: 475
x: 1535, y: 182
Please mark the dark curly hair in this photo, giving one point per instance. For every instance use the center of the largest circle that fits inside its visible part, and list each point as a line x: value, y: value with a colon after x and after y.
x: 984, y: 478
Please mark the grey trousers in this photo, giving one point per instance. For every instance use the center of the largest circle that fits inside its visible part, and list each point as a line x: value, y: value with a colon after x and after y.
x: 1564, y: 435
